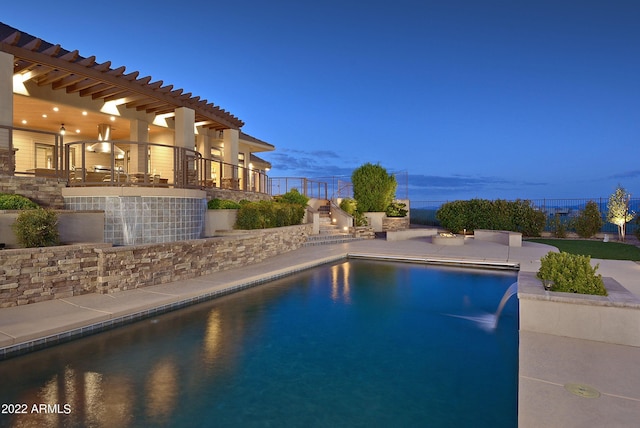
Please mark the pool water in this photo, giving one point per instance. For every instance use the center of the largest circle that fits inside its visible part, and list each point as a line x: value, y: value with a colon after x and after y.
x: 353, y: 344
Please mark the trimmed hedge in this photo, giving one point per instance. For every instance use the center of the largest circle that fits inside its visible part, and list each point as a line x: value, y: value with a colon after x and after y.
x: 222, y: 204
x: 10, y: 201
x: 570, y: 273
x: 516, y: 216
x: 267, y: 214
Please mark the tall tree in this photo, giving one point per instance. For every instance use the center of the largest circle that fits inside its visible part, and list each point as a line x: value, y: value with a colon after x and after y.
x: 619, y: 213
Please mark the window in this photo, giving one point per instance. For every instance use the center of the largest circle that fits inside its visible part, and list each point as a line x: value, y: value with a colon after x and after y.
x: 43, y: 156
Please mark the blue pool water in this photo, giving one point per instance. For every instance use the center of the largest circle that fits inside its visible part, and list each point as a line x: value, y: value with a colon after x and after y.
x: 353, y: 344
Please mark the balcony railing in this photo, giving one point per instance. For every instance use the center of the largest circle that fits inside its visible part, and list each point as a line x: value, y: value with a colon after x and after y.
x: 308, y: 187
x: 122, y: 163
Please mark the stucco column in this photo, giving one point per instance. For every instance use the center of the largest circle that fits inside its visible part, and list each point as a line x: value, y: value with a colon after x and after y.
x: 203, y: 145
x: 7, y: 162
x: 230, y: 140
x: 185, y: 132
x: 138, y: 131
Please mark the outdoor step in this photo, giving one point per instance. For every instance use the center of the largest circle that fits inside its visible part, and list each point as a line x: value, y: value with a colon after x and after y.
x: 329, y: 239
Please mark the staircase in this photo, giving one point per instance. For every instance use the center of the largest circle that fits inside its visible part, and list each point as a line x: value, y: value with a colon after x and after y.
x: 329, y: 232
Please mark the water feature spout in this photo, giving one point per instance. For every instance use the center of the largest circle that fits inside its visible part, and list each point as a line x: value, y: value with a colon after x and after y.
x: 512, y: 290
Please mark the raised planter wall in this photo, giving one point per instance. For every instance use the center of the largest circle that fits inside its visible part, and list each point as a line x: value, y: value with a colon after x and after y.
x: 216, y: 220
x: 73, y: 227
x: 33, y: 275
x: 612, y: 319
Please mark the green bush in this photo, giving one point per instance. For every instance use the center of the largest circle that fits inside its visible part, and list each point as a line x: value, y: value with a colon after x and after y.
x: 37, y: 228
x: 222, y: 204
x: 293, y: 197
x: 350, y: 207
x: 570, y: 273
x: 16, y: 202
x: 373, y: 188
x: 267, y: 214
x: 516, y: 216
x: 558, y: 227
x: 589, y: 221
x: 637, y: 232
x: 396, y: 209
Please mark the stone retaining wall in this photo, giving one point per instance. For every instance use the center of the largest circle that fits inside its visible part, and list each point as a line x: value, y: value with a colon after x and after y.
x: 236, y: 195
x: 47, y: 192
x: 392, y: 224
x: 33, y: 275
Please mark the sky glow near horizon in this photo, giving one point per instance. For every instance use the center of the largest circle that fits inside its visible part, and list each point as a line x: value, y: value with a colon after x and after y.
x: 491, y: 99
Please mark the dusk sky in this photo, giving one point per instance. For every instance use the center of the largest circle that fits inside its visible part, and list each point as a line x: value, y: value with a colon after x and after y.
x: 468, y: 98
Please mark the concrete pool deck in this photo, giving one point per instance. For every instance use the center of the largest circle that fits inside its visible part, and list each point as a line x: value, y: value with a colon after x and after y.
x: 547, y: 363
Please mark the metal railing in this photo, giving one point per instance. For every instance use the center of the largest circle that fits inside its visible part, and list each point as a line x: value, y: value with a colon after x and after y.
x: 120, y: 163
x: 308, y: 187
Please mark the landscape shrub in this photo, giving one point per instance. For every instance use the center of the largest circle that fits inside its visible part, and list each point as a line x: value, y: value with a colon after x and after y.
x: 570, y: 273
x: 373, y: 188
x: 516, y: 216
x: 589, y: 221
x: 37, y: 228
x: 293, y: 196
x: 222, y: 204
x: 16, y: 202
x: 453, y: 216
x: 267, y: 214
x: 396, y: 209
x: 558, y: 227
x: 637, y: 232
x: 350, y: 206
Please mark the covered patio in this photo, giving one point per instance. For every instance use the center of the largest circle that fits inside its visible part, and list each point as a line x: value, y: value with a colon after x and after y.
x: 68, y: 117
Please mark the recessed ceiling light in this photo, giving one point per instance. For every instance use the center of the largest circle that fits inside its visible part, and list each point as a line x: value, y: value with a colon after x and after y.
x: 44, y: 115
x: 24, y: 121
x: 84, y: 113
x: 77, y: 131
x: 55, y: 109
x: 112, y: 118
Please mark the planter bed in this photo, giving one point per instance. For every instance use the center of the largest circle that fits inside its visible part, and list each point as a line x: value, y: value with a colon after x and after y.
x: 612, y: 319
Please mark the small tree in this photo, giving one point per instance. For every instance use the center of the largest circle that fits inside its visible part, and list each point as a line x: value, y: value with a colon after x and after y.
x: 373, y: 188
x: 589, y: 221
x: 619, y: 213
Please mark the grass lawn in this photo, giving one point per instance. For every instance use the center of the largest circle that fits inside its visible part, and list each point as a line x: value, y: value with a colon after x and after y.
x: 595, y: 249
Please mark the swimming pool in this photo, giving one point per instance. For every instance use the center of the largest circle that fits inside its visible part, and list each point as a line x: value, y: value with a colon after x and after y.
x: 355, y: 343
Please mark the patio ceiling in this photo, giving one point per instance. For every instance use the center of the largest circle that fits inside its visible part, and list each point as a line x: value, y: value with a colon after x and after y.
x: 50, y: 65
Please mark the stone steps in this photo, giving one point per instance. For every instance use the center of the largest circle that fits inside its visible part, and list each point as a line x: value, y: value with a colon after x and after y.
x: 329, y: 239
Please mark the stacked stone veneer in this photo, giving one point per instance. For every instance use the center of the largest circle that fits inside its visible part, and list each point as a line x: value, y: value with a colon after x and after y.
x: 236, y: 195
x: 47, y: 192
x: 392, y: 224
x: 33, y: 275
x: 131, y: 220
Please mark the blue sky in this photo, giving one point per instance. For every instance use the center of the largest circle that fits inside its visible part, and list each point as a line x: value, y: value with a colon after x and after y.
x: 491, y: 99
